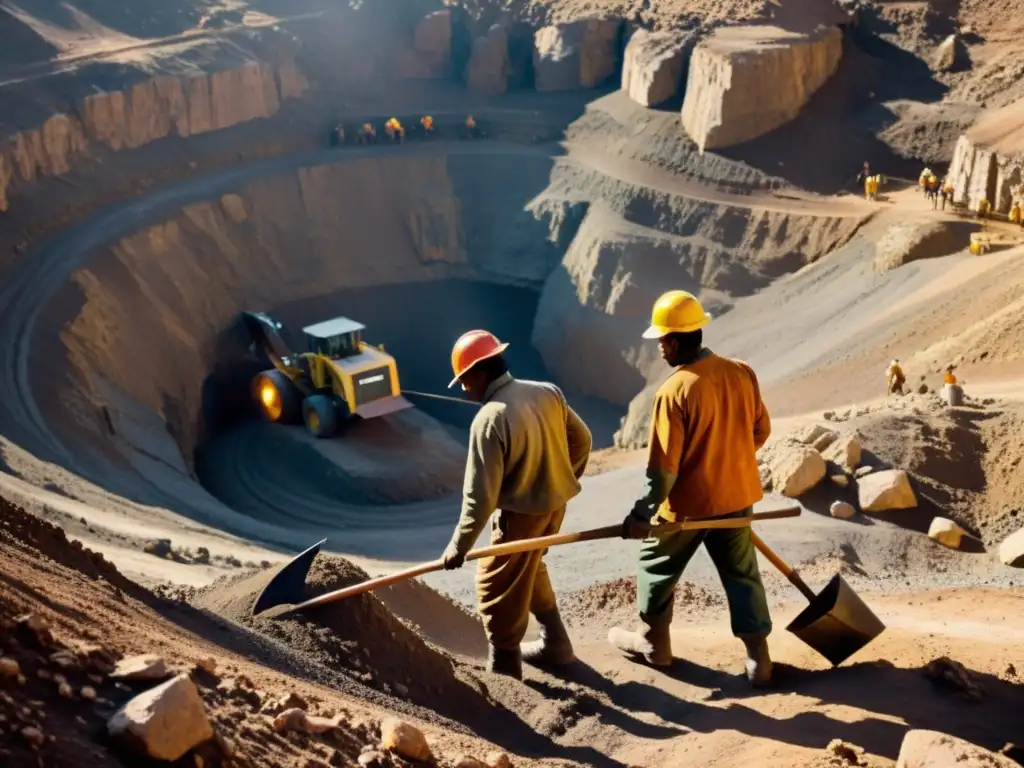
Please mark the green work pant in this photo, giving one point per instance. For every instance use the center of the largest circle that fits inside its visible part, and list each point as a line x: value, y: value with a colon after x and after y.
x: 664, y: 558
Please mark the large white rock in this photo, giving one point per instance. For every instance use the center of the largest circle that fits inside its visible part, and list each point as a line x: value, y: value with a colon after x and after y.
x: 744, y: 82
x: 931, y: 749
x: 844, y: 451
x: 163, y: 723
x: 795, y: 468
x: 489, y: 67
x: 1011, y: 551
x: 885, y: 490
x: 946, y: 532
x: 654, y: 65
x: 579, y: 54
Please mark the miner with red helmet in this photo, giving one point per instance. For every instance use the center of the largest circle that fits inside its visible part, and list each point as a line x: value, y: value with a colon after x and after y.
x: 527, y: 451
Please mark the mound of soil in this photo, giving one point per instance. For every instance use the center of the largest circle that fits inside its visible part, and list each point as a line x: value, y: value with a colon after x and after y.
x: 357, y: 636
x: 26, y: 531
x: 436, y: 617
x: 965, y: 462
x: 67, y: 616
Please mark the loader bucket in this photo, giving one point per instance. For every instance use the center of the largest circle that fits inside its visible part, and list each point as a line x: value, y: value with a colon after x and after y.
x: 288, y: 585
x: 837, y: 623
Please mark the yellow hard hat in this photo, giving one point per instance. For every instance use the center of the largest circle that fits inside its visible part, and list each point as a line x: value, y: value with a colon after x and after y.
x: 676, y: 312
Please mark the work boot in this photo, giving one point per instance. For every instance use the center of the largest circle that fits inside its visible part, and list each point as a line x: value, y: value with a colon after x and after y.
x: 502, y: 662
x: 554, y: 646
x: 651, y: 639
x: 759, y: 663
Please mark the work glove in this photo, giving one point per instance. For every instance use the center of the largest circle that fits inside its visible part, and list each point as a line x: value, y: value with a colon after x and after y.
x: 634, y: 527
x: 453, y: 558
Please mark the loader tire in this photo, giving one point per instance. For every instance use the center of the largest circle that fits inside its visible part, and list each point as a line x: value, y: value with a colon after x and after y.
x: 320, y: 413
x: 287, y: 409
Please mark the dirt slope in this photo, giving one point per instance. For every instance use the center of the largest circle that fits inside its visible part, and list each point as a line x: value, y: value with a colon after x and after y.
x: 607, y: 712
x: 88, y: 605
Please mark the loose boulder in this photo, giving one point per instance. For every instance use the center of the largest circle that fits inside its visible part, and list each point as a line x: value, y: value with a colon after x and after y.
x: 434, y: 33
x: 946, y: 532
x: 746, y: 81
x: 404, y: 739
x: 163, y: 723
x: 430, y: 55
x: 931, y: 749
x: 579, y: 54
x: 886, y: 490
x: 795, y: 468
x: 842, y: 509
x: 489, y: 67
x: 841, y: 480
x: 654, y: 65
x: 950, y: 55
x: 1011, y: 551
x: 144, y: 667
x: 845, y: 451
x: 812, y: 434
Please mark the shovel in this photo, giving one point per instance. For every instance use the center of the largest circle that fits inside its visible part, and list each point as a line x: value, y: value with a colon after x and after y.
x: 837, y: 623
x: 288, y: 586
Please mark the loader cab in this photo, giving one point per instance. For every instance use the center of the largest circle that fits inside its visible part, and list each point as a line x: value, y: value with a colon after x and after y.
x: 337, y: 339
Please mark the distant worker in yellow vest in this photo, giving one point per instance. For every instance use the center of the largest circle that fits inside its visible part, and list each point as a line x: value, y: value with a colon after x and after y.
x: 896, y: 378
x: 394, y: 130
x: 471, y: 127
x: 922, y: 180
x: 1015, y: 213
x: 950, y: 377
x: 707, y: 424
x: 984, y: 206
x: 428, y: 125
x: 869, y: 185
x: 932, y: 188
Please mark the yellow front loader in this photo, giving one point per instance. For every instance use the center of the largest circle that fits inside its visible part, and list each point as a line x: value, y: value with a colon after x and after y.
x: 340, y: 377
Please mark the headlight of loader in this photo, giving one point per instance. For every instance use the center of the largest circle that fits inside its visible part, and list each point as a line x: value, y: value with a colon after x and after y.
x: 271, y: 400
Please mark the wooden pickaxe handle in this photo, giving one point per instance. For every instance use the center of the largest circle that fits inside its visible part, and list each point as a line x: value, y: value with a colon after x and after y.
x: 543, y: 542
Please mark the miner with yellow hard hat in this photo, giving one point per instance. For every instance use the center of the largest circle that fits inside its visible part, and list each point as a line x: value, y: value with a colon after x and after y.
x: 527, y: 451
x: 708, y: 422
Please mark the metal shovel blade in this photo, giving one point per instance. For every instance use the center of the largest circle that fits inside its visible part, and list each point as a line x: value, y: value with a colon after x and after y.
x: 837, y: 623
x: 288, y: 585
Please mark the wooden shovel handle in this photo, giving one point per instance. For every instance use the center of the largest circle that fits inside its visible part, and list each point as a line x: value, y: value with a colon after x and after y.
x: 786, y: 569
x: 543, y: 542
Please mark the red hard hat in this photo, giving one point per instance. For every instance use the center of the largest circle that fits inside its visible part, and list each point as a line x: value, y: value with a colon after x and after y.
x: 470, y: 349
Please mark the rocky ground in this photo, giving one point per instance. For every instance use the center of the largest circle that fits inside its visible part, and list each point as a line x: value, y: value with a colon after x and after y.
x: 211, y: 687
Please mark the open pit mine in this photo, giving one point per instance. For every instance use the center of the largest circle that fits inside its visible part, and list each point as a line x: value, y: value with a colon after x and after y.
x: 238, y: 242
